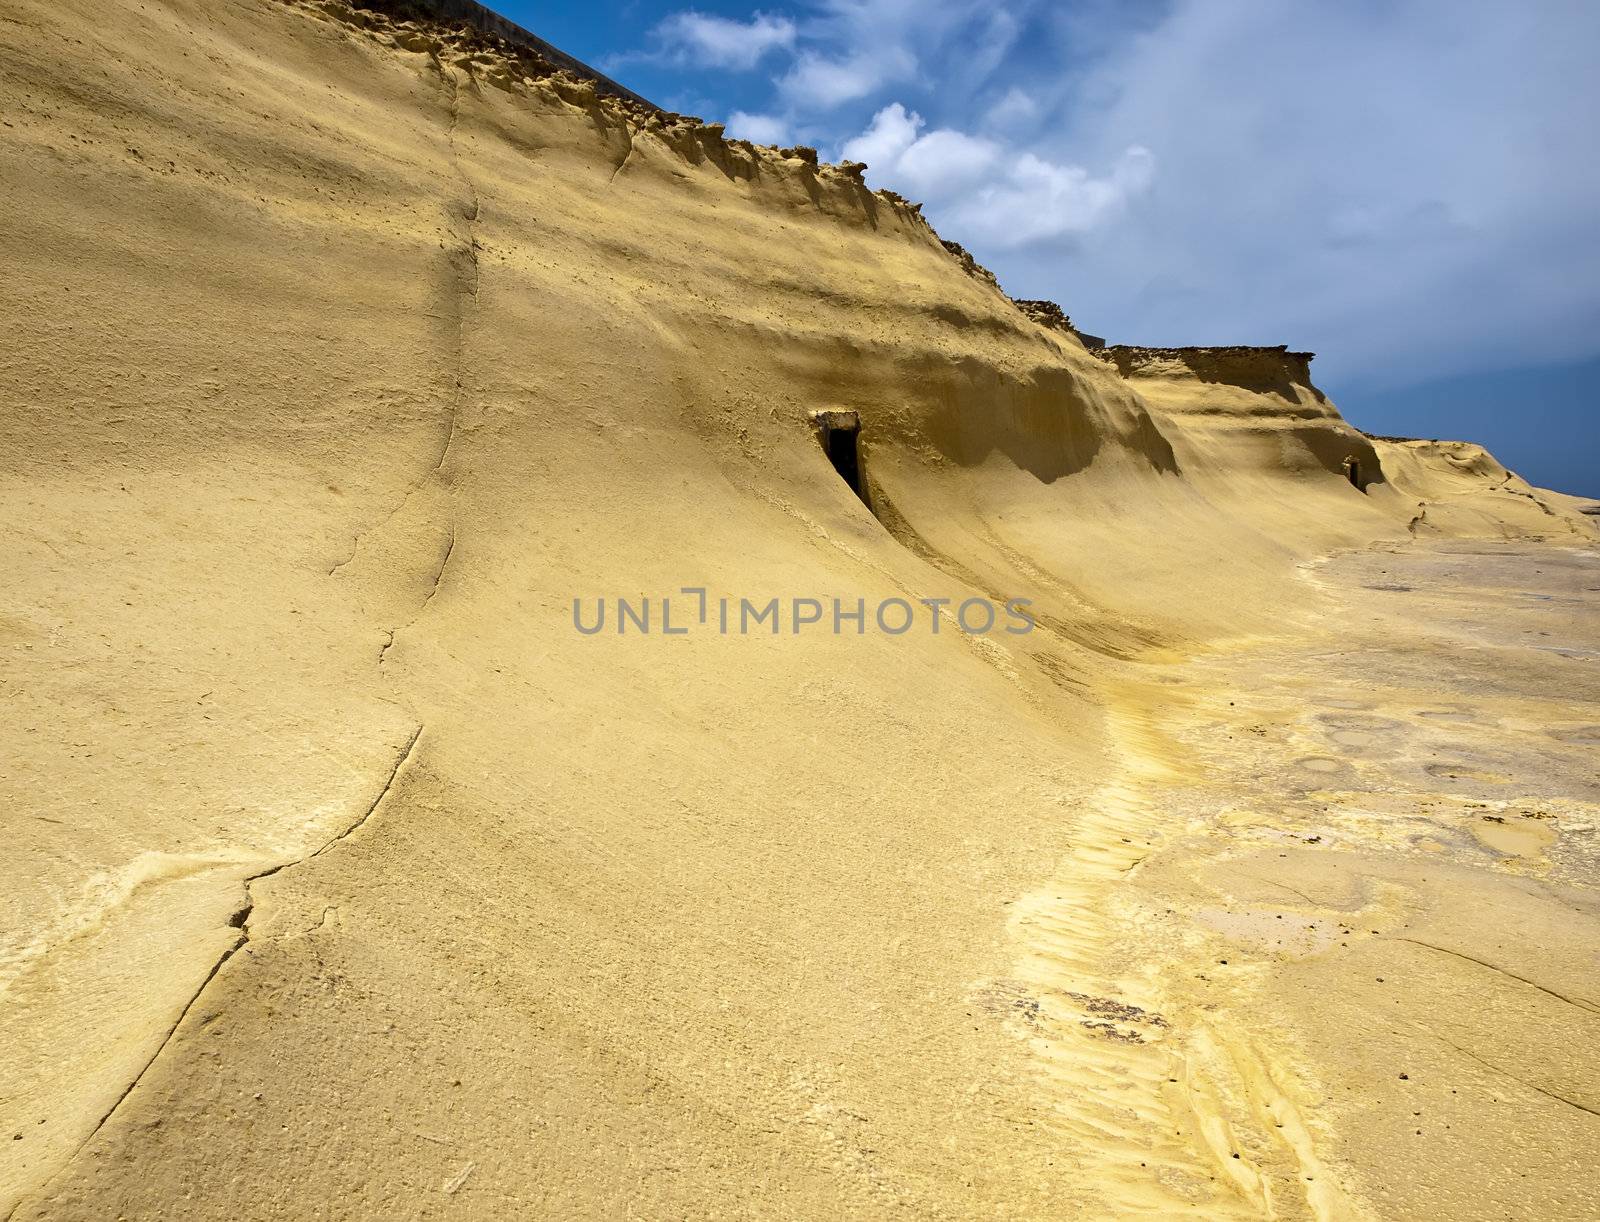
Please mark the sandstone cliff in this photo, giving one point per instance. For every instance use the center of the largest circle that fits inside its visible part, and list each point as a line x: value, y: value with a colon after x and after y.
x: 346, y: 352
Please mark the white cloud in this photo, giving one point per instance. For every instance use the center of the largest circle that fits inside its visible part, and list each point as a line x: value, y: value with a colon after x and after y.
x: 1013, y: 109
x: 980, y: 190
x: 718, y: 41
x: 946, y: 161
x: 759, y: 129
x: 1409, y: 189
x: 1035, y: 201
x: 821, y: 82
x: 893, y: 131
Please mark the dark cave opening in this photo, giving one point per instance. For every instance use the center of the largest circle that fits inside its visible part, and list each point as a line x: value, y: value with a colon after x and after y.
x: 841, y: 440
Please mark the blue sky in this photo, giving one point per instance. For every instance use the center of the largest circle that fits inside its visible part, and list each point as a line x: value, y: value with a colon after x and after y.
x: 1409, y: 188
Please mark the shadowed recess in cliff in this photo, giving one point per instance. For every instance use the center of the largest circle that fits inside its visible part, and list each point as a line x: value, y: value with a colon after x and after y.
x: 840, y: 435
x: 1048, y: 422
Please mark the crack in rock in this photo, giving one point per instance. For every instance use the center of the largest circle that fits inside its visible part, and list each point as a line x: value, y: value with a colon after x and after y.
x: 1517, y: 1078
x: 433, y: 588
x: 622, y: 165
x: 1578, y: 1002
x: 240, y: 921
x: 467, y: 252
x: 469, y: 248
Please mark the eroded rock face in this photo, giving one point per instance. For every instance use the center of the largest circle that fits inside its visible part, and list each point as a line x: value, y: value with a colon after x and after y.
x: 1049, y: 314
x: 970, y: 265
x: 1254, y: 367
x: 466, y: 19
x: 349, y: 350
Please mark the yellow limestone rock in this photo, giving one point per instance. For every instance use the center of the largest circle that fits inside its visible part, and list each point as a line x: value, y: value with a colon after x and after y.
x: 344, y: 876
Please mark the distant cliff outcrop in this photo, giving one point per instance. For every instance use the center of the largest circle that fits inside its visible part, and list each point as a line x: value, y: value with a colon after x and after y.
x: 1257, y: 367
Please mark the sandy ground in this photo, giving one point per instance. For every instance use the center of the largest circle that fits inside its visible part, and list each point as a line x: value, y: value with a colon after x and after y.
x: 1350, y: 890
x: 345, y: 878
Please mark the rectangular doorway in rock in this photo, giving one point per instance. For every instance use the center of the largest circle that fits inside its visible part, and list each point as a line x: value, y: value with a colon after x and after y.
x: 840, y: 434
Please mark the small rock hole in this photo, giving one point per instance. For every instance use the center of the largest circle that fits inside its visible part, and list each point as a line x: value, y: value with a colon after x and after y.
x: 840, y: 434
